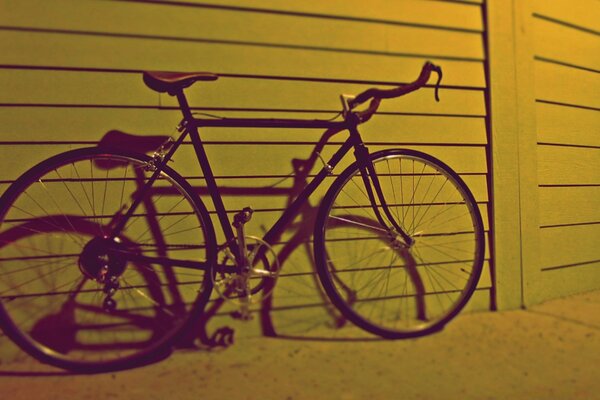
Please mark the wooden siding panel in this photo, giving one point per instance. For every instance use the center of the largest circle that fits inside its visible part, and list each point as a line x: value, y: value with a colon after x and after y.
x: 226, y: 159
x: 61, y: 87
x: 569, y: 246
x: 567, y: 125
x: 565, y: 44
x: 80, y: 51
x: 566, y: 281
x: 583, y: 13
x: 557, y: 83
x: 71, y: 73
x: 560, y: 165
x: 569, y: 205
x: 567, y: 66
x: 205, y: 24
x: 440, y: 14
x: 42, y: 124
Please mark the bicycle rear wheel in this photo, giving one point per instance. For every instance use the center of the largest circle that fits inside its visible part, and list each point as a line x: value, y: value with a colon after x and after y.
x: 73, y: 296
x: 374, y: 278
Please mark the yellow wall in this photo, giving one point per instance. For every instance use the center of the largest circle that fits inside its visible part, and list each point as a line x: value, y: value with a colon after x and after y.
x: 70, y: 72
x: 566, y: 51
x: 544, y: 63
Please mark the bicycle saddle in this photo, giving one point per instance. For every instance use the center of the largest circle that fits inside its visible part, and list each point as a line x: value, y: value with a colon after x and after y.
x: 173, y: 82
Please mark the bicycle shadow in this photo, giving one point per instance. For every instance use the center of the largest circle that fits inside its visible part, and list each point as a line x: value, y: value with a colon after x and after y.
x: 297, y: 309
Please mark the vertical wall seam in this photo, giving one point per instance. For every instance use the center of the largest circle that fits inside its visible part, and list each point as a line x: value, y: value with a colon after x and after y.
x: 519, y: 178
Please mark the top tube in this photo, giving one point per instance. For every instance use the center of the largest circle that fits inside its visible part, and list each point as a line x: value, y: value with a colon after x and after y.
x: 174, y: 84
x: 269, y: 123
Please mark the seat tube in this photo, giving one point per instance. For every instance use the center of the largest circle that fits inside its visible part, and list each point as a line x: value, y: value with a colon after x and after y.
x: 209, y: 177
x: 211, y: 183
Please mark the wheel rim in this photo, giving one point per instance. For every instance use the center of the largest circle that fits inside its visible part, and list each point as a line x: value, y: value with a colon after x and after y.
x: 385, y: 285
x: 55, y: 220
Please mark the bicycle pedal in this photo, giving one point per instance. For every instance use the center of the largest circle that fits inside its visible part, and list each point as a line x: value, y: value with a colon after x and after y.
x: 223, y: 337
x: 242, y: 316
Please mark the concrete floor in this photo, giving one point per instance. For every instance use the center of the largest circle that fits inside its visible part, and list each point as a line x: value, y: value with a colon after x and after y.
x: 551, y: 351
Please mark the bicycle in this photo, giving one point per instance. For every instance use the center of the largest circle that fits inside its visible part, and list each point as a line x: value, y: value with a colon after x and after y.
x: 113, y: 266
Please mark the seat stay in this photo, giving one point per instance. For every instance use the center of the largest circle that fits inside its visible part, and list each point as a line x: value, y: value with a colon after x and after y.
x: 156, y: 166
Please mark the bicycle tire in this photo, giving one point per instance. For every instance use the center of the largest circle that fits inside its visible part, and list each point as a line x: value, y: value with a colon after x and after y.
x: 375, y: 279
x: 54, y: 276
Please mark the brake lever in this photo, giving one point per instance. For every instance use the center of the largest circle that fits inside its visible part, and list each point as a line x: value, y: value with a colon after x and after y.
x: 366, y: 115
x: 437, y: 69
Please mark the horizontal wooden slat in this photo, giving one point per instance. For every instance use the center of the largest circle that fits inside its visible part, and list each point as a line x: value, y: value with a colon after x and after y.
x: 294, y: 289
x: 567, y: 85
x: 273, y: 194
x: 57, y: 87
x: 564, y: 44
x: 449, y: 14
x: 233, y: 26
x: 300, y: 268
x: 567, y: 125
x: 567, y: 281
x: 425, y: 129
x: 25, y: 48
x: 243, y: 193
x: 569, y: 205
x: 463, y: 160
x: 568, y: 246
x: 559, y: 165
x: 263, y: 220
x: 43, y: 124
x: 582, y: 13
x: 253, y: 160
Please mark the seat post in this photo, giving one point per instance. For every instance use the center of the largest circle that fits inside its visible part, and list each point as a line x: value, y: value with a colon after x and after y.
x: 183, y: 105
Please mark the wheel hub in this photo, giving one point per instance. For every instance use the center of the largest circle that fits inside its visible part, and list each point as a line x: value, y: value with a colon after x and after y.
x: 100, y: 259
x: 399, y: 242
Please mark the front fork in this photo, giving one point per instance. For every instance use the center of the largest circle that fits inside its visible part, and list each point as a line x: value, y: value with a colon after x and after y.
x: 367, y: 171
x: 374, y: 192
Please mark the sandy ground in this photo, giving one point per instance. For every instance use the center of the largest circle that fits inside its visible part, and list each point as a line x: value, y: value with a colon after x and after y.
x: 551, y: 351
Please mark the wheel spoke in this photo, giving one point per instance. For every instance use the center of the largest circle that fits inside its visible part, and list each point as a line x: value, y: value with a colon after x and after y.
x: 400, y: 289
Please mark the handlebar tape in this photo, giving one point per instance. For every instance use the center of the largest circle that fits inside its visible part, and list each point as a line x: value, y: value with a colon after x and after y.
x: 421, y: 81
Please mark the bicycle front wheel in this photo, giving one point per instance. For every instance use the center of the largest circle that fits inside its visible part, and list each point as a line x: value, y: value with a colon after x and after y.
x: 377, y: 280
x: 78, y: 295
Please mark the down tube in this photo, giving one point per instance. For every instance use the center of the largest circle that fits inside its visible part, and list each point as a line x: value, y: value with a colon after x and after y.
x: 290, y: 213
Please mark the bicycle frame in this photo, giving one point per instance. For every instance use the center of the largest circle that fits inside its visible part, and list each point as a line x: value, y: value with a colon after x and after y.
x: 190, y: 126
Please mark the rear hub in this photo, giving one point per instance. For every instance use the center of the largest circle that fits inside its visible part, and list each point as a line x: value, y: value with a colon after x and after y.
x: 101, y: 260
